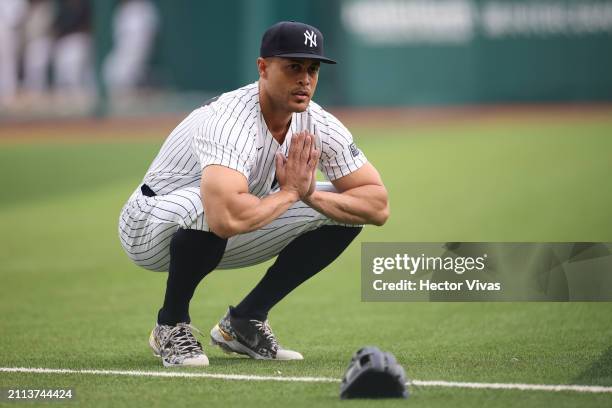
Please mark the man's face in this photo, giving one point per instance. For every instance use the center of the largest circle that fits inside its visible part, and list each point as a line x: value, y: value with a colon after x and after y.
x: 289, y: 82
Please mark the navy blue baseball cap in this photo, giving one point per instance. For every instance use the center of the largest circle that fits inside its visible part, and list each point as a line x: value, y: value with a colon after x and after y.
x: 291, y: 39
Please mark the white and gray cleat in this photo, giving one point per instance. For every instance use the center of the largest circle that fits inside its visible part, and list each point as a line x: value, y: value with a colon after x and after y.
x: 177, y: 346
x: 249, y: 337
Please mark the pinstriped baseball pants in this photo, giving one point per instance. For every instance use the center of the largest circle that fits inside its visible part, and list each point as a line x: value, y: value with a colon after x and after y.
x: 147, y: 224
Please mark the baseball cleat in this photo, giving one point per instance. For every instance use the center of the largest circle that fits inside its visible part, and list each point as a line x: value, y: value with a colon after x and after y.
x: 177, y: 346
x: 249, y: 337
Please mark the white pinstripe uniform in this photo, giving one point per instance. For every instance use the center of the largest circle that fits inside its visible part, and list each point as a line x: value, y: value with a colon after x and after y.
x: 231, y: 132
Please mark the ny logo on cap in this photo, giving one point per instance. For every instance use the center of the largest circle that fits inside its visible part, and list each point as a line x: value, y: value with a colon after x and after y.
x: 310, y: 36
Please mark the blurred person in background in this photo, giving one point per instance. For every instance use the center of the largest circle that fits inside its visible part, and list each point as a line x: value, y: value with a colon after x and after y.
x: 38, y: 45
x: 12, y: 13
x: 135, y: 24
x: 72, y: 54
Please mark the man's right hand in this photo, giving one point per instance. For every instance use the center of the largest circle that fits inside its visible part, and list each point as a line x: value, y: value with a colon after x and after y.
x: 229, y: 207
x: 295, y: 172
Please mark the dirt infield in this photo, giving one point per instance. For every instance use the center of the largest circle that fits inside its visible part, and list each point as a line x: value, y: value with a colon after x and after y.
x: 159, y: 126
x: 87, y: 129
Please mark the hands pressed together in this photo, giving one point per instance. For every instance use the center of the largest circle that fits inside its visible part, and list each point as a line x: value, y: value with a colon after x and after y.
x: 296, y: 173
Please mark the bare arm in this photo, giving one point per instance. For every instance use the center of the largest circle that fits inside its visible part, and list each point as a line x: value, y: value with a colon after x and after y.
x: 231, y: 210
x: 229, y: 207
x: 362, y: 198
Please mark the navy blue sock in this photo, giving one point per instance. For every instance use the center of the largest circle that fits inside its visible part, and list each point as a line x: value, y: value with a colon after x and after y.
x: 304, y: 257
x: 193, y: 255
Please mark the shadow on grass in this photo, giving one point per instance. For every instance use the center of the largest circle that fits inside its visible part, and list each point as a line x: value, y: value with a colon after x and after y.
x: 599, y: 372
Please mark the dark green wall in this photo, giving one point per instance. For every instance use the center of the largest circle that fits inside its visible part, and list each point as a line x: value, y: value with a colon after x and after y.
x: 518, y: 67
x: 212, y: 46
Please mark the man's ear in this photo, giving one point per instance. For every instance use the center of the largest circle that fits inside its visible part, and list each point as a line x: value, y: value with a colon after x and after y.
x: 262, y: 66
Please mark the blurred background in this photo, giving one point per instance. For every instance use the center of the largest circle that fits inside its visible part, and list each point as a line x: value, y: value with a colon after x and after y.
x: 63, y: 58
x: 489, y: 121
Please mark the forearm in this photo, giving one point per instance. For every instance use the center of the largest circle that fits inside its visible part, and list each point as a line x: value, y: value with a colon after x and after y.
x: 366, y: 204
x: 248, y: 213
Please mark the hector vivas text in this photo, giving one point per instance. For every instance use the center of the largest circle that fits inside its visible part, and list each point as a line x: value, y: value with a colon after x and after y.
x: 422, y: 263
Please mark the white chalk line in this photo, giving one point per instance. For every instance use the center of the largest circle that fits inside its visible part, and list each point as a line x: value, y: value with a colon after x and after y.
x: 243, y: 377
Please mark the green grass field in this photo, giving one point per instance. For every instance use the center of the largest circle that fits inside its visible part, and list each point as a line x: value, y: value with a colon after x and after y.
x: 70, y: 298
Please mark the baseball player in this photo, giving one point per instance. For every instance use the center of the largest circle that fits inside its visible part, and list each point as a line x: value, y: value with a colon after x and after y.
x: 234, y: 185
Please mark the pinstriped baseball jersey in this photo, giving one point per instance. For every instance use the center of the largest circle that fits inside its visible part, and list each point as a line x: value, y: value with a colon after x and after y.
x: 229, y: 131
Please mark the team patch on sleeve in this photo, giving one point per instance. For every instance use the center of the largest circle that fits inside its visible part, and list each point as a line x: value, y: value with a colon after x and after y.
x: 354, y: 150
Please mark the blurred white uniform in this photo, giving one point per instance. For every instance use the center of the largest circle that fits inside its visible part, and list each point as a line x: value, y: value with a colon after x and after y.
x: 38, y: 45
x: 12, y: 13
x: 72, y: 52
x: 134, y: 27
x: 72, y: 62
